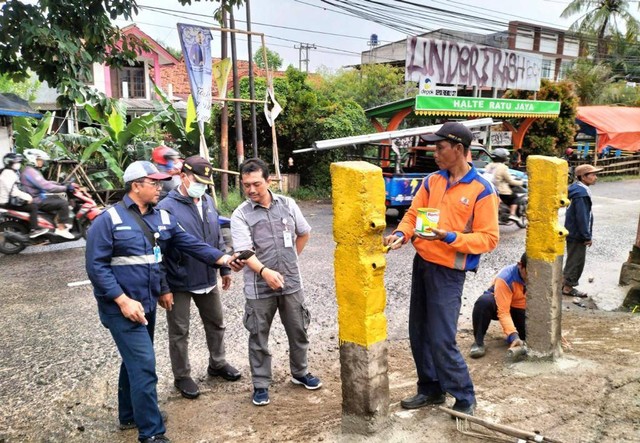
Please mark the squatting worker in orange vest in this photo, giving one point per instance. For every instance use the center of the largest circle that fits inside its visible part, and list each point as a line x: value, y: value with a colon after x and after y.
x: 468, y: 227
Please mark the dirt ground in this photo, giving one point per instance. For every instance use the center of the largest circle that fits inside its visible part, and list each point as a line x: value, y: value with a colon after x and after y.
x: 586, y: 396
x: 58, y: 365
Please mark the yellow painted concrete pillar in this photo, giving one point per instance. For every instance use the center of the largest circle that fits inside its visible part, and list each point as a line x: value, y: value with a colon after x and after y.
x: 545, y: 250
x: 358, y: 225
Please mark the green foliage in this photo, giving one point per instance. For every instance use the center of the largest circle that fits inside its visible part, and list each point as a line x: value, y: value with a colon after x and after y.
x: 273, y: 58
x: 619, y: 94
x: 370, y: 86
x: 589, y: 80
x: 624, y: 52
x: 184, y: 134
x: 59, y: 40
x: 551, y: 136
x: 24, y: 89
x: 311, y: 193
x: 600, y: 19
x: 234, y: 198
x: 30, y: 132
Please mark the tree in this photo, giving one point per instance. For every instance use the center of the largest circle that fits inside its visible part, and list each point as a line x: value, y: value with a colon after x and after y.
x: 273, y: 58
x: 176, y: 52
x: 551, y: 136
x: 371, y: 85
x: 24, y: 89
x: 59, y: 40
x: 601, y: 19
x: 589, y: 80
x: 624, y: 52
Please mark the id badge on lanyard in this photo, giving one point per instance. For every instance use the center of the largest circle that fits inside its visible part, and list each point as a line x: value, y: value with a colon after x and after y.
x: 288, y: 237
x: 157, y: 254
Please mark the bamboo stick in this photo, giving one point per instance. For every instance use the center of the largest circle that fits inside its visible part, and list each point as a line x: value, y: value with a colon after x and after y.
x: 514, y: 432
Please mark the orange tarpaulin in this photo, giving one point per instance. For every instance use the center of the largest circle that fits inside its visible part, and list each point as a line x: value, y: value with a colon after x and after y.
x: 616, y: 126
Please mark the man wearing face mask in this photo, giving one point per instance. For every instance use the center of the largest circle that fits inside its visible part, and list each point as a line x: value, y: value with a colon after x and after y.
x: 191, y: 279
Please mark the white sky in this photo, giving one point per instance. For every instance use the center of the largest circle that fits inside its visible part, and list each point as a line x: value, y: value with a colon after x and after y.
x: 312, y: 18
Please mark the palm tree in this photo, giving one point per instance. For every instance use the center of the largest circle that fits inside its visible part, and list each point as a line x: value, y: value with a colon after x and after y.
x: 590, y: 80
x: 601, y: 18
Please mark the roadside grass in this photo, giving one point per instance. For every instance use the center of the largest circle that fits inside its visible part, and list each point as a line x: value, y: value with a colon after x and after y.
x: 233, y: 201
x: 310, y: 193
x: 617, y: 178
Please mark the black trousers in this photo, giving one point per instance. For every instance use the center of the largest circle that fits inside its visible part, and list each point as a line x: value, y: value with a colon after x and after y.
x: 56, y: 205
x: 31, y: 208
x: 573, y: 267
x: 486, y: 310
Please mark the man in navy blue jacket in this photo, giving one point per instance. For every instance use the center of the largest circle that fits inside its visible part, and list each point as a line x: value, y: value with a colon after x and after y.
x: 189, y: 278
x: 124, y: 262
x: 579, y: 223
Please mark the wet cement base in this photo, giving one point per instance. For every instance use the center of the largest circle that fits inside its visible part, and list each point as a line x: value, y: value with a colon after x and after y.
x: 365, y: 388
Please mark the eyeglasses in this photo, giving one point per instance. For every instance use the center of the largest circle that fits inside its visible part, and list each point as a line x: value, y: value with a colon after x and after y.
x: 156, y: 183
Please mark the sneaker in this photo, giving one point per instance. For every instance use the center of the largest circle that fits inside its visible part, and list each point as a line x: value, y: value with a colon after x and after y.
x: 187, y: 387
x: 260, y: 397
x: 477, y: 351
x: 37, y: 232
x: 132, y: 424
x: 464, y: 408
x: 227, y: 372
x: 157, y: 438
x: 64, y: 233
x: 422, y: 400
x: 514, y: 218
x: 308, y: 381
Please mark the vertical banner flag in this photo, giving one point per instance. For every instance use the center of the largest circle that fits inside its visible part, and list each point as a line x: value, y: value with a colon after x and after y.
x: 221, y: 70
x: 196, y: 48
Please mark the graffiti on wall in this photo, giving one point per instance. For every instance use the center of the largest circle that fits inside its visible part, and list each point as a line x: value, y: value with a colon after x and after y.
x: 470, y: 64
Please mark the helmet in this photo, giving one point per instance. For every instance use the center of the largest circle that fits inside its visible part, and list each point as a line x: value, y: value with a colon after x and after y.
x: 34, y: 154
x: 162, y: 154
x: 11, y: 159
x: 569, y: 151
x: 500, y: 155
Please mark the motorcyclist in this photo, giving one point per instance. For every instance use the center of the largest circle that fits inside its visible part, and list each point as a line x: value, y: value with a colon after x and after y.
x: 9, y: 187
x: 38, y: 187
x: 503, y: 181
x: 167, y: 161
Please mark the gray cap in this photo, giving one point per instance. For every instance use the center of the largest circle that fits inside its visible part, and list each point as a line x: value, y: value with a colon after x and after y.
x: 142, y: 169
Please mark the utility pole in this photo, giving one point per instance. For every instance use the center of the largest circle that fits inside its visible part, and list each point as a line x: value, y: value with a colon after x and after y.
x: 304, y: 47
x: 224, y: 117
x: 236, y: 94
x: 252, y: 91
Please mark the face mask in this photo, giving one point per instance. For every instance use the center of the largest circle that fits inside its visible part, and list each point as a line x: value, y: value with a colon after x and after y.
x: 196, y: 190
x: 16, y: 166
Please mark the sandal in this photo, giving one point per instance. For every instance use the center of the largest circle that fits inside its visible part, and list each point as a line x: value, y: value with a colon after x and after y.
x: 575, y: 293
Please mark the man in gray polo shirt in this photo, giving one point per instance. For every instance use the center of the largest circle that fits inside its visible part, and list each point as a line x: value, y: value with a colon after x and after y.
x: 272, y: 226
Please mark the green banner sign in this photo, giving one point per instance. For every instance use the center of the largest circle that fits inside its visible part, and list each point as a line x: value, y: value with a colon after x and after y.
x: 484, y: 107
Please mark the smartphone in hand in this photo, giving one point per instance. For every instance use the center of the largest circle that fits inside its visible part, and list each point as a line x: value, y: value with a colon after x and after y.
x: 244, y: 255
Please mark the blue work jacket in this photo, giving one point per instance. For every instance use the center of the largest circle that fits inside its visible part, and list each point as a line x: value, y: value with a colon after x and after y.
x: 185, y: 273
x: 579, y: 218
x: 120, y: 259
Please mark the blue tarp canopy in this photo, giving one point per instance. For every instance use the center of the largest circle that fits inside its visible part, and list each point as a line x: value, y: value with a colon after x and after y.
x: 14, y: 106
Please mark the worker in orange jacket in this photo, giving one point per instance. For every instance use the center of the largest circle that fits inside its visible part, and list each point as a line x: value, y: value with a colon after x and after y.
x: 467, y: 227
x: 505, y: 301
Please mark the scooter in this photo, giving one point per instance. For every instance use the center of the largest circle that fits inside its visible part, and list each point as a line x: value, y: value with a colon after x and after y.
x: 522, y: 200
x: 14, y: 224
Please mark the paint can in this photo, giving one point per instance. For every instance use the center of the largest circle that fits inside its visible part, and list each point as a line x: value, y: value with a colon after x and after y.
x: 426, y: 220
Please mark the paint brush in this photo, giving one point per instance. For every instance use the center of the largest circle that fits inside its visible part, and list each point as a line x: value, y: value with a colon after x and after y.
x: 395, y: 242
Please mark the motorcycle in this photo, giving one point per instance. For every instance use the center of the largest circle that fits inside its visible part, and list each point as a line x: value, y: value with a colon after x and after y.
x: 14, y: 224
x: 522, y: 200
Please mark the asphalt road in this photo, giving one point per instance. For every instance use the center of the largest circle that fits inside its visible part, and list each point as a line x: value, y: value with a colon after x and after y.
x: 58, y: 365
